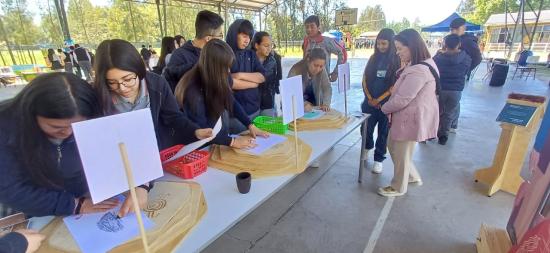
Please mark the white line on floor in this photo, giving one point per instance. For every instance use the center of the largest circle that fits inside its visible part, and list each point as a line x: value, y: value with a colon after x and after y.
x: 379, y: 226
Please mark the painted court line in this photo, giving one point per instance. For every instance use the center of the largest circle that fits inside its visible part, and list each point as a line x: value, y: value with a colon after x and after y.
x: 379, y: 226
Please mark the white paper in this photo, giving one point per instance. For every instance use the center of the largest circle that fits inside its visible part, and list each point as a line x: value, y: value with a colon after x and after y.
x: 195, y: 145
x: 101, y: 232
x: 343, y: 77
x: 264, y: 144
x: 97, y: 142
x: 292, y: 87
x: 314, y: 114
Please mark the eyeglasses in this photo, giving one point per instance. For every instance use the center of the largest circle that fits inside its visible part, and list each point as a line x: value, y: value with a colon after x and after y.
x: 128, y: 82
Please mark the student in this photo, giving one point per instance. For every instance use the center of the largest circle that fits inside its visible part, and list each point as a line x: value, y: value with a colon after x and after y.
x: 54, y: 61
x: 208, y: 25
x: 315, y: 82
x: 179, y: 41
x: 84, y: 60
x: 67, y: 60
x: 247, y: 71
x: 412, y: 108
x: 166, y: 50
x: 21, y: 241
x: 146, y: 55
x: 210, y: 79
x: 39, y: 162
x: 124, y: 85
x: 453, y: 65
x: 314, y: 39
x: 263, y: 46
x: 378, y: 78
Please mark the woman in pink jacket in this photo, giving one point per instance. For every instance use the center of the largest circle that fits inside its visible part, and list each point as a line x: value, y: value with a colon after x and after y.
x: 412, y: 108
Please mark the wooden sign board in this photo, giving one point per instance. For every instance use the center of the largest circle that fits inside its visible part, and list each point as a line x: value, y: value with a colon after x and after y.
x: 346, y: 16
x: 516, y: 114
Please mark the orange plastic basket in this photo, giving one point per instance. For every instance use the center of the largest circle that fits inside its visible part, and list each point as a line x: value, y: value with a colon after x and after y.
x: 187, y: 166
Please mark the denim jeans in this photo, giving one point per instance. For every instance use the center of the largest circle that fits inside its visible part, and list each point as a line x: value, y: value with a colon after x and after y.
x: 449, y: 106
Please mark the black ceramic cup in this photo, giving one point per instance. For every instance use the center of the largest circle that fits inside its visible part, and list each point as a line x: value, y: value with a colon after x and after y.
x: 244, y: 179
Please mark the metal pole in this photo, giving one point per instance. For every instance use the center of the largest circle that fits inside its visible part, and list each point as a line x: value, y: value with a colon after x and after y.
x: 260, y: 17
x: 157, y: 2
x: 514, y: 32
x: 65, y: 23
x: 225, y: 16
x: 164, y: 17
x: 132, y: 19
x: 536, y: 24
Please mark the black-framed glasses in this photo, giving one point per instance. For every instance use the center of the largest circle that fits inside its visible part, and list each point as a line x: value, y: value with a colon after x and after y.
x: 128, y: 82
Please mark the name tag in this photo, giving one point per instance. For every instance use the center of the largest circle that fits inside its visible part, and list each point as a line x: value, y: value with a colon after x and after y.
x: 381, y: 73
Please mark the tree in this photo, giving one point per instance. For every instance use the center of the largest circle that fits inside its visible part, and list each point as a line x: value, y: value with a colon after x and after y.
x: 372, y: 18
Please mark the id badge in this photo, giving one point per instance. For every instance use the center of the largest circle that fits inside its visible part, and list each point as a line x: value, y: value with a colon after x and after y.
x: 381, y: 73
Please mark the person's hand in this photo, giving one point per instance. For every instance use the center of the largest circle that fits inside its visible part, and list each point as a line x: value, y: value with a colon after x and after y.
x: 333, y: 76
x: 128, y: 205
x: 203, y: 133
x: 254, y: 132
x: 34, y: 239
x: 244, y: 142
x: 308, y: 107
x: 325, y: 108
x: 106, y: 205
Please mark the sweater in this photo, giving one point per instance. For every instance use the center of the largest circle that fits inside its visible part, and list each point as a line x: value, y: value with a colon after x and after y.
x: 321, y: 83
x: 181, y: 61
x: 453, y: 67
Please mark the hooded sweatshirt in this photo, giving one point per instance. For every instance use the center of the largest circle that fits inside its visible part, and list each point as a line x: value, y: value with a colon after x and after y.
x: 181, y: 61
x: 453, y: 68
x: 470, y: 46
x: 245, y: 61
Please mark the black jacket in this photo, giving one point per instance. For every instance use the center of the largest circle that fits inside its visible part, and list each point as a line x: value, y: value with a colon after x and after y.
x: 273, y: 75
x: 470, y: 46
x: 13, y: 243
x: 453, y: 68
x: 171, y: 125
x: 182, y: 60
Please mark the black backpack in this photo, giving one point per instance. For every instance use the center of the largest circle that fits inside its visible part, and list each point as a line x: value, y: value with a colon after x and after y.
x: 436, y: 76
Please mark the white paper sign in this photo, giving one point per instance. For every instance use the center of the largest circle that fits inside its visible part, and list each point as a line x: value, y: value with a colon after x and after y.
x: 195, y: 145
x: 292, y: 87
x: 343, y: 77
x: 97, y: 142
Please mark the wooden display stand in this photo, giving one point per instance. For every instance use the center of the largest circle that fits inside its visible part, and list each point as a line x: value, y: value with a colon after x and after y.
x: 512, y: 147
x: 492, y: 240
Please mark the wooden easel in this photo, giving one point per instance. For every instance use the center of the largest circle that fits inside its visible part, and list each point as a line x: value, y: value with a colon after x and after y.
x: 345, y: 96
x: 512, y: 147
x: 132, y: 185
x: 295, y: 131
x: 492, y: 240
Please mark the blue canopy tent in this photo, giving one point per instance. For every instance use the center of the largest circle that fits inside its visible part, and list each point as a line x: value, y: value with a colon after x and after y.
x: 443, y: 26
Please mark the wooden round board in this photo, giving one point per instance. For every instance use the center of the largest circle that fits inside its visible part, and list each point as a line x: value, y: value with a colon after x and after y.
x: 331, y: 120
x: 174, y: 207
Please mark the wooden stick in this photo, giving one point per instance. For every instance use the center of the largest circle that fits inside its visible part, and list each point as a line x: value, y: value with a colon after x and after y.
x: 132, y: 186
x: 295, y: 131
x: 345, y: 96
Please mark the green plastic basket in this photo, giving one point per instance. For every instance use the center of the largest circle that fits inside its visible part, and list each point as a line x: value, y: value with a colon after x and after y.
x: 271, y: 124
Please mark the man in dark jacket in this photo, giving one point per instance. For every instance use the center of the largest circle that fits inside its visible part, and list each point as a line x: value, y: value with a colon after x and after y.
x: 146, y: 55
x: 453, y: 65
x: 247, y: 71
x: 208, y: 25
x: 84, y: 60
x: 469, y: 45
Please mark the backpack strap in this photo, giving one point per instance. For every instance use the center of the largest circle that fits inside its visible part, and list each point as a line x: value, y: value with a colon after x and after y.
x: 436, y: 77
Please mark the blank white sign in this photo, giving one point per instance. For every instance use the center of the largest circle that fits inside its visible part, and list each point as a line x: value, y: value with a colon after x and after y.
x: 343, y: 77
x: 292, y: 87
x: 97, y: 142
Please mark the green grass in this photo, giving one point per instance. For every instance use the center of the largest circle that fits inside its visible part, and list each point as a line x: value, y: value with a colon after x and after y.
x: 24, y: 59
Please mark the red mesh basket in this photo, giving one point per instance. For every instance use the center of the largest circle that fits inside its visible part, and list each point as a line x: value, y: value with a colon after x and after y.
x: 187, y: 166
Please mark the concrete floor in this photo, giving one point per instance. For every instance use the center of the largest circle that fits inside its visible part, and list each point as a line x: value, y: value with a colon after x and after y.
x: 326, y: 210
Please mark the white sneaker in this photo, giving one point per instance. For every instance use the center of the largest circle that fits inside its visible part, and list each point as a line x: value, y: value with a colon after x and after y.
x: 315, y: 164
x: 377, y: 168
x: 453, y: 130
x: 366, y: 154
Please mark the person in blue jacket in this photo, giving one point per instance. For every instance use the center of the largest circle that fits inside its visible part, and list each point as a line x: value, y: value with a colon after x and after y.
x: 41, y: 170
x: 263, y: 46
x: 208, y: 25
x: 21, y: 241
x: 247, y: 71
x: 205, y: 95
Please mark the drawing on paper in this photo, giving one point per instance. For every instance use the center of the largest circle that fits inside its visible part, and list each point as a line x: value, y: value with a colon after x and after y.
x: 156, y: 205
x: 110, y: 223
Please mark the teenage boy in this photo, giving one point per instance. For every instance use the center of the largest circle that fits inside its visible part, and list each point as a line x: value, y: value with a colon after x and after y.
x: 208, y: 25
x: 247, y: 71
x: 315, y: 39
x: 453, y: 65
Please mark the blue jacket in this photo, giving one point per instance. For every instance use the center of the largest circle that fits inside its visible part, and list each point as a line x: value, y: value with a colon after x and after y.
x: 469, y: 44
x: 182, y: 60
x: 197, y: 112
x: 453, y: 68
x: 273, y: 75
x: 171, y: 125
x: 20, y: 193
x: 245, y: 61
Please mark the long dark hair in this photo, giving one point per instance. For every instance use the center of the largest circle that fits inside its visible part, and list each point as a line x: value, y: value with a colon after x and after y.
x: 167, y: 47
x: 213, y: 72
x: 393, y: 59
x: 258, y: 37
x: 118, y: 54
x: 51, y: 52
x: 52, y: 95
x: 411, y: 39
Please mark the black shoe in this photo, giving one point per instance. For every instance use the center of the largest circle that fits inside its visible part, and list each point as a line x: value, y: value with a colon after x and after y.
x: 443, y: 140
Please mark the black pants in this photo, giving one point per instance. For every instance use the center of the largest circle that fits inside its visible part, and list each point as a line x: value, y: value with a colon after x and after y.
x: 377, y: 118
